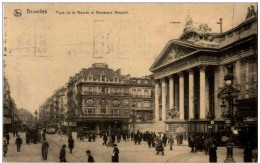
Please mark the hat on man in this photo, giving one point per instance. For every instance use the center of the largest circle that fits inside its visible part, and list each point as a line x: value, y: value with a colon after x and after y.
x: 88, y: 151
x: 114, y: 145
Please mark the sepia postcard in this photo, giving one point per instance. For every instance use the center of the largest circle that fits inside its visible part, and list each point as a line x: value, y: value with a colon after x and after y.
x: 130, y: 82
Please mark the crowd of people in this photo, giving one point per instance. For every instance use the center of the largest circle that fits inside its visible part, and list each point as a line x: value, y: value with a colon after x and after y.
x: 111, y: 138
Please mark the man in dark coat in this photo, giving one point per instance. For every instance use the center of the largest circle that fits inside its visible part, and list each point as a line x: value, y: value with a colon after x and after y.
x: 7, y: 137
x: 105, y: 139
x: 18, y: 142
x: 139, y: 138
x: 63, y: 154
x: 71, y: 143
x: 118, y: 137
x: 45, y: 146
x: 213, y: 153
x: 159, y: 147
x: 149, y: 140
x: 248, y: 153
x: 115, y: 157
x: 90, y: 157
x: 113, y: 138
x: 171, y: 142
x: 164, y: 139
x: 27, y: 136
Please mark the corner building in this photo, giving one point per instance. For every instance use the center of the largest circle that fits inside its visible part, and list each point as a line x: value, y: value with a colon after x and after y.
x: 101, y: 98
x: 189, y: 75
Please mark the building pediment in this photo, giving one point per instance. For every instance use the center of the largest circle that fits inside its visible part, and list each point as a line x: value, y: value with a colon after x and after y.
x: 173, y: 51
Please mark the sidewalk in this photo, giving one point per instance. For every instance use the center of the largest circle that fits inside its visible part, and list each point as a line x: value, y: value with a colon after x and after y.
x: 201, y: 157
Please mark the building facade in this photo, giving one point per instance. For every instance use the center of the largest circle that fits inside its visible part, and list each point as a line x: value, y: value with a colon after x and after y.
x: 55, y: 108
x: 9, y: 108
x: 189, y: 76
x: 101, y: 98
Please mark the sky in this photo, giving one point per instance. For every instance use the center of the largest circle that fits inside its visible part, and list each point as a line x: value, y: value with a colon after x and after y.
x: 44, y: 50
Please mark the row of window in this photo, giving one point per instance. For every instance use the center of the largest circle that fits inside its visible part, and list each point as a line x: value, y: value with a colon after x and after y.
x: 92, y: 110
x: 103, y: 79
x: 116, y: 102
x: 139, y: 81
x: 116, y: 90
x: 103, y: 102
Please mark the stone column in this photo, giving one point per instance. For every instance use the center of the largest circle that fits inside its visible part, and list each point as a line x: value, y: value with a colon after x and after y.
x: 191, y: 94
x: 202, y: 92
x: 163, y: 100
x: 156, y: 100
x: 247, y: 78
x: 255, y: 77
x: 217, y: 109
x: 238, y: 71
x: 171, y: 92
x: 181, y: 95
x: 221, y: 75
x: 238, y: 74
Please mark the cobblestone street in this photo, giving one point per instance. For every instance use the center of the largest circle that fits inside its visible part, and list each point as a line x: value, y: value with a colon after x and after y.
x: 128, y: 152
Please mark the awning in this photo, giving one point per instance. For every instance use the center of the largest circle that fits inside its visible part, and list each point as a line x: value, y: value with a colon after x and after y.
x: 7, y: 120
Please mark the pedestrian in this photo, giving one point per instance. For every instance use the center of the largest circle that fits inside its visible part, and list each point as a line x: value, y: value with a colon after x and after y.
x: 18, y: 143
x: 7, y: 136
x: 139, y: 138
x: 16, y: 132
x: 213, y: 153
x: 248, y: 153
x: 164, y: 139
x: 159, y: 147
x: 135, y: 138
x: 13, y: 132
x: 115, y: 157
x: 90, y: 157
x: 63, y: 154
x: 118, y: 137
x: 27, y: 137
x: 5, y: 147
x: 171, y: 142
x: 149, y: 140
x: 178, y: 139
x: 105, y: 139
x: 181, y: 139
x: 132, y: 135
x: 206, y: 145
x: 71, y: 143
x: 45, y: 146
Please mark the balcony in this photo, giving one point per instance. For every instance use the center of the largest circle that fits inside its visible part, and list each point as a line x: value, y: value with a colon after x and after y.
x: 106, y: 93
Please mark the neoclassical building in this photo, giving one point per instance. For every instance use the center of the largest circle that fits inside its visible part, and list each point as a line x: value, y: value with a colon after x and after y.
x: 189, y: 76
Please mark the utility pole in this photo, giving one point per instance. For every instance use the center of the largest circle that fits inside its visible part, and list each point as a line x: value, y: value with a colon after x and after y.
x: 220, y: 23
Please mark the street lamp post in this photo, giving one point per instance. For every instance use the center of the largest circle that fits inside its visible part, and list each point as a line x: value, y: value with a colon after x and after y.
x: 227, y: 113
x: 133, y: 117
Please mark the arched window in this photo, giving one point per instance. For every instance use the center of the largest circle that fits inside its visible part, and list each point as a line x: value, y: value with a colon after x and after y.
x: 139, y: 92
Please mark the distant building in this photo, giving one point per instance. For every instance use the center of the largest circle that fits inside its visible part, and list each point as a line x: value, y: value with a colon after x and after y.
x: 25, y: 115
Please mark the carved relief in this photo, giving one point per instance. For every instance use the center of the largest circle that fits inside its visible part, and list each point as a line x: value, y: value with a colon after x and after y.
x: 176, y: 53
x: 174, y: 113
